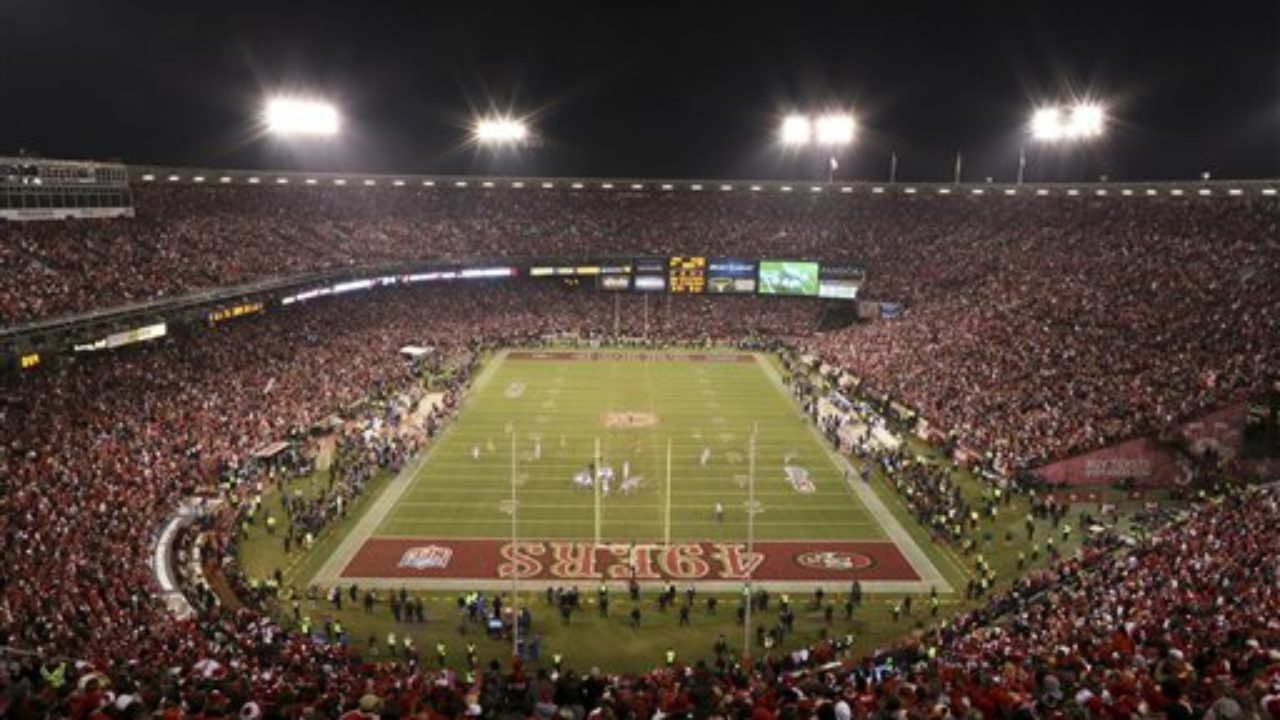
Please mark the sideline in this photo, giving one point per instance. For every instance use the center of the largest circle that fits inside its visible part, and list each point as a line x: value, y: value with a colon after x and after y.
x: 923, y: 565
x: 330, y: 573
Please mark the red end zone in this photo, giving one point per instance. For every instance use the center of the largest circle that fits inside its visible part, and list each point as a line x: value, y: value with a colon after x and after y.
x: 630, y: 356
x: 426, y: 558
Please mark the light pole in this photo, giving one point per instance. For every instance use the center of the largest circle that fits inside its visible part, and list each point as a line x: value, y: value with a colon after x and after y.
x: 1063, y: 125
x: 831, y: 132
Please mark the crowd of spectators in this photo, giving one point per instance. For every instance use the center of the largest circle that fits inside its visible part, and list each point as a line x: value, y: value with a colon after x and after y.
x: 1036, y: 336
x: 188, y: 238
x: 1034, y: 328
x: 1026, y: 333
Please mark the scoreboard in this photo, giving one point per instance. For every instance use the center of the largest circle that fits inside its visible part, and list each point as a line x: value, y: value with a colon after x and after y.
x: 235, y: 311
x: 687, y: 275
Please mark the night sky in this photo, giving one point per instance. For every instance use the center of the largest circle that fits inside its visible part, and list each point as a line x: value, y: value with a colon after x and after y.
x: 695, y: 89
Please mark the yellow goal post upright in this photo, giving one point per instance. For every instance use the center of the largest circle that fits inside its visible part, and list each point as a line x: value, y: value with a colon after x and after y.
x: 595, y: 485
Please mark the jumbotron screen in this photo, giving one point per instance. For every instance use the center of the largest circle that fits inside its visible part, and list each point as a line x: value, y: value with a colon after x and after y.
x: 788, y: 277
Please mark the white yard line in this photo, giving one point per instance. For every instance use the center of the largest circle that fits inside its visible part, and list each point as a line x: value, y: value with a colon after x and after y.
x: 816, y: 498
x: 379, y: 512
x: 624, y: 505
x: 416, y: 524
x: 916, y: 556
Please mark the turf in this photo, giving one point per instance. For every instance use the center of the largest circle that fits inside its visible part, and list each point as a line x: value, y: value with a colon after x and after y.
x: 468, y: 493
x: 558, y: 411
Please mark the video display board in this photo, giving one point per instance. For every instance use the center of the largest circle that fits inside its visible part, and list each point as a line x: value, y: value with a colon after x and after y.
x: 650, y: 274
x: 731, y: 275
x: 650, y: 283
x: 788, y: 277
x: 837, y: 290
x: 614, y: 282
x: 840, y: 282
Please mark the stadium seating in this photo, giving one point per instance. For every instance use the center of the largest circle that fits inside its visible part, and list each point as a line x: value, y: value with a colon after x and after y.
x: 1034, y: 328
x: 1077, y: 321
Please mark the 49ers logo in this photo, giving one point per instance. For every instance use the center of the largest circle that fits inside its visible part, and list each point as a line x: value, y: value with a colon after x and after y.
x: 427, y: 557
x: 834, y: 560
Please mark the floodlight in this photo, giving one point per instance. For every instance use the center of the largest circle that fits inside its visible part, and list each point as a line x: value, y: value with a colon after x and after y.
x: 796, y: 130
x: 495, y: 131
x: 295, y: 117
x: 1054, y: 123
x: 1046, y: 124
x: 1087, y: 120
x: 835, y: 129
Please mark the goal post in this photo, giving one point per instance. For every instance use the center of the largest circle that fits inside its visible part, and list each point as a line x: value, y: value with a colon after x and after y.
x: 595, y: 484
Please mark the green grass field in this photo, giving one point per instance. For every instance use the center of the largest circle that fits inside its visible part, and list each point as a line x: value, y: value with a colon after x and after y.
x: 558, y: 412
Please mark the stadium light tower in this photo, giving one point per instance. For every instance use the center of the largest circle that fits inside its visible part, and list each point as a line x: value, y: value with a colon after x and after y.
x: 1064, y: 125
x: 299, y: 117
x: 830, y: 131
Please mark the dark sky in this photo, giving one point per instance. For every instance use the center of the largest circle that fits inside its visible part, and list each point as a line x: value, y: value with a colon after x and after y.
x: 695, y: 89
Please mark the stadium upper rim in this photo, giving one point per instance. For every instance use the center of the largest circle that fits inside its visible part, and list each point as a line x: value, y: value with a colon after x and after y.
x: 149, y: 175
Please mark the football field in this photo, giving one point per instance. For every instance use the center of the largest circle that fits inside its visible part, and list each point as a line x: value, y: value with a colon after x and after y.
x: 617, y: 464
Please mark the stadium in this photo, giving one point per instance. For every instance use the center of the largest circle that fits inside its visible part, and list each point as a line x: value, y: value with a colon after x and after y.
x: 288, y: 439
